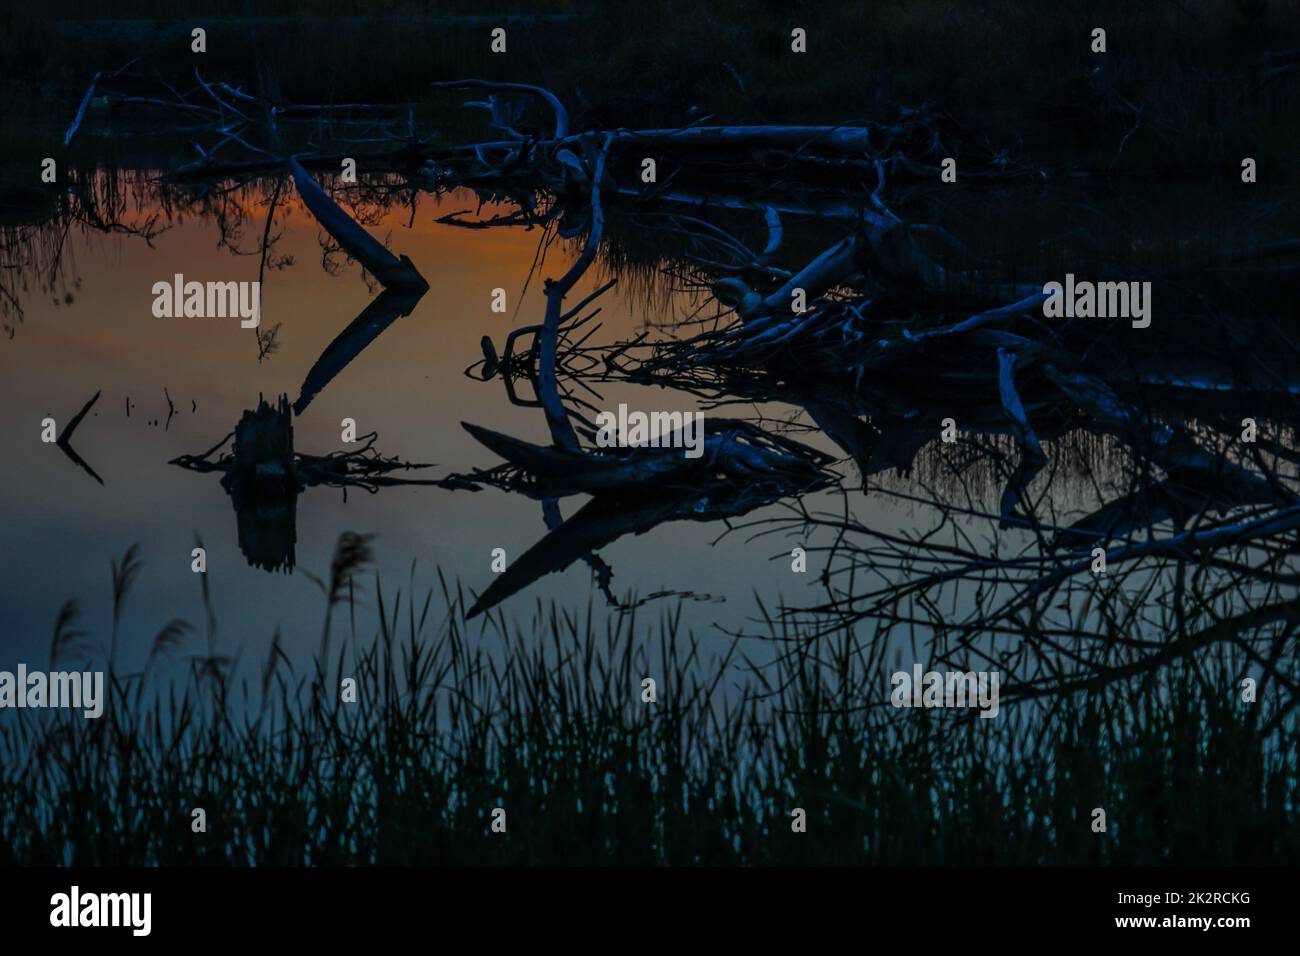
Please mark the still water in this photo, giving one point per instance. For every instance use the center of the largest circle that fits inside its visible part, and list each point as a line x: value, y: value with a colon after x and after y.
x: 93, y: 329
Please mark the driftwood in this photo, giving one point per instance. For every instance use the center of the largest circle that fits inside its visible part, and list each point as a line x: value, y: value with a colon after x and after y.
x: 734, y: 450
x: 264, y: 464
x: 635, y: 490
x: 264, y: 475
x: 81, y: 110
x: 556, y: 418
x: 1168, y: 446
x: 553, y: 101
x: 264, y: 457
x: 230, y: 121
x: 393, y: 272
x: 897, y: 333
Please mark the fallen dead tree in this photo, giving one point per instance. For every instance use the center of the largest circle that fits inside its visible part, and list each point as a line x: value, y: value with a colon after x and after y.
x: 858, y: 319
x: 264, y: 475
x: 263, y: 463
x: 878, y: 332
x: 393, y: 272
x: 234, y: 115
x: 739, y: 466
x: 734, y: 451
x: 635, y: 490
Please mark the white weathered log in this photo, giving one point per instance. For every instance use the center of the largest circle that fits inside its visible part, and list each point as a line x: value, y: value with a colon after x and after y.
x: 81, y: 111
x: 393, y: 272
x: 561, y: 114
x: 548, y: 339
x: 1011, y: 402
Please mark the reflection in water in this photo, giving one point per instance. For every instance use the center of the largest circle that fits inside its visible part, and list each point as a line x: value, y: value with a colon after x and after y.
x: 64, y: 441
x: 742, y: 468
x: 1064, y: 448
x: 387, y: 308
x: 1092, y: 509
x: 264, y: 476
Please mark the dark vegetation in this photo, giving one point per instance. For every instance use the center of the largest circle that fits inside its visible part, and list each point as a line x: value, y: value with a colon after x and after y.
x: 547, y: 721
x: 776, y: 173
x: 1189, y: 79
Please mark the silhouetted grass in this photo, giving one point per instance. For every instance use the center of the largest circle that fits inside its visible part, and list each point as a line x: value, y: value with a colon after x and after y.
x: 547, y: 721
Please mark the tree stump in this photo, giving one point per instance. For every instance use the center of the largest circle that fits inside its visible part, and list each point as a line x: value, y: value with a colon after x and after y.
x: 264, y: 485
